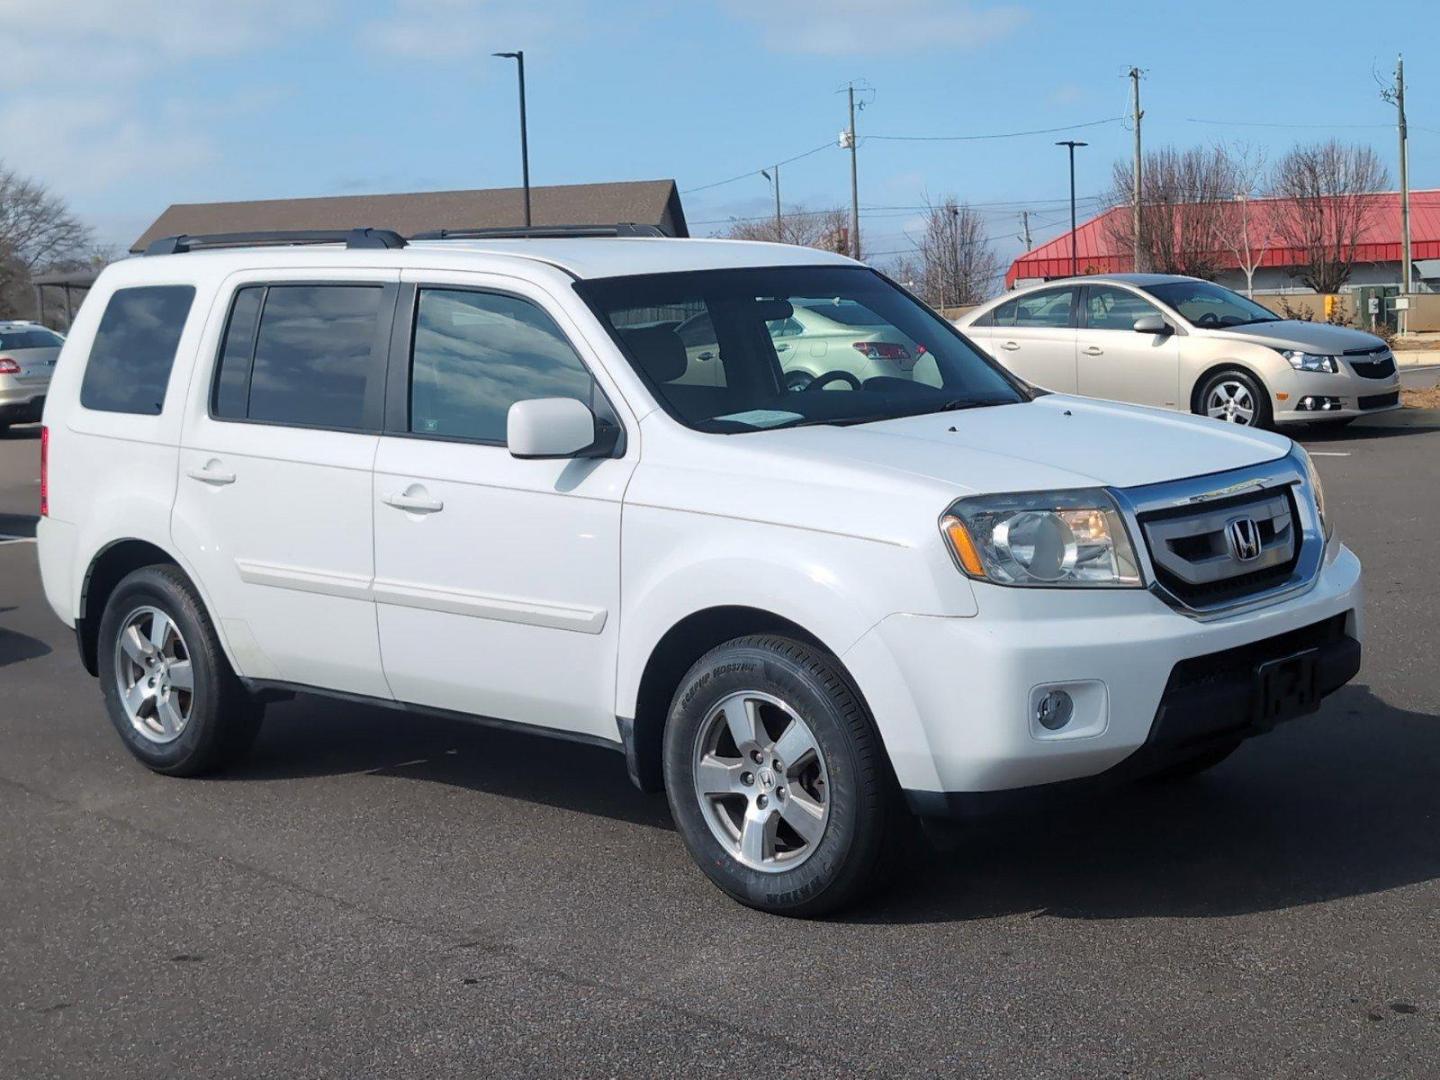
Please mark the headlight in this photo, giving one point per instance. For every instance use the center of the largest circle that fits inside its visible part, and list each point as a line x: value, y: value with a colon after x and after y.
x: 1042, y: 538
x: 1304, y: 361
x: 1318, y: 489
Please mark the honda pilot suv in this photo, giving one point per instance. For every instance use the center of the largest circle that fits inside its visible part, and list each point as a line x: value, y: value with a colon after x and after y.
x: 475, y: 476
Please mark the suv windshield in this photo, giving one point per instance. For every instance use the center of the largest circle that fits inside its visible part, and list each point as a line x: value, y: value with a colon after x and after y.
x: 1210, y: 305
x: 724, y: 351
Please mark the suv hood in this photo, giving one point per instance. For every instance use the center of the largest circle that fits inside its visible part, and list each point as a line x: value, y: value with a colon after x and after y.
x: 1055, y: 441
x: 1314, y: 337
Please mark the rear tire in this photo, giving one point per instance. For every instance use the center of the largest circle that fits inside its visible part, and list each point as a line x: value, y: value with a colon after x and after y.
x: 807, y: 753
x: 168, y: 688
x: 1236, y: 397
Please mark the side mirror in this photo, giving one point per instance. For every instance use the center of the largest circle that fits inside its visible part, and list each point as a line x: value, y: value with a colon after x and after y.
x: 1151, y: 324
x: 556, y: 428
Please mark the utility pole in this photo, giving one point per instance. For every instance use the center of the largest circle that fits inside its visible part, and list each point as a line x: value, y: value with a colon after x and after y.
x: 1403, y: 315
x: 954, y: 256
x: 1025, y: 226
x: 519, y: 58
x: 1074, y: 251
x: 854, y: 180
x: 1136, y: 114
x: 779, y: 221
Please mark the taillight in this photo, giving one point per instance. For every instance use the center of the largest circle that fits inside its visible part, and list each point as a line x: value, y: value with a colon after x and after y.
x: 882, y: 350
x: 44, y: 472
x: 8, y: 366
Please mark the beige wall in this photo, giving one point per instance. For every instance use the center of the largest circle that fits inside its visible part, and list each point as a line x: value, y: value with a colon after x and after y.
x: 1424, y: 312
x: 1311, y: 302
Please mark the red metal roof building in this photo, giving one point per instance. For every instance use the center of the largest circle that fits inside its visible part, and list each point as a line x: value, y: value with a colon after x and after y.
x: 1380, y: 243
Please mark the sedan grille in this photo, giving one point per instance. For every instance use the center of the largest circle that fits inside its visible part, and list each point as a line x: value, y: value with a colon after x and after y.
x: 1379, y: 364
x: 1380, y: 401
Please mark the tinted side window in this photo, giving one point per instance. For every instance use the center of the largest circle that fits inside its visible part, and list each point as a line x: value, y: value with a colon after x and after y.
x: 1109, y: 308
x: 237, y: 354
x: 476, y: 354
x: 1049, y: 308
x: 313, y: 355
x: 1004, y: 315
x: 134, y: 349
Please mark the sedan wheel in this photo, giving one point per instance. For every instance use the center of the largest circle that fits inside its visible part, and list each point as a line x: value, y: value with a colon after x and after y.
x: 1232, y: 401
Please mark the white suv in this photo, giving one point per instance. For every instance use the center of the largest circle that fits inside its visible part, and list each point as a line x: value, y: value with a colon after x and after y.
x: 470, y: 476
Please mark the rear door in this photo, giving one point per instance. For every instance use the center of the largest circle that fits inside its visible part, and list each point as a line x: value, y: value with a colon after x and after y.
x: 274, y: 501
x: 1034, y: 336
x: 1116, y: 362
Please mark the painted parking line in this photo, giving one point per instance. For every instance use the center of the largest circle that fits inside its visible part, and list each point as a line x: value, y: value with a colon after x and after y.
x: 15, y: 539
x: 1329, y: 453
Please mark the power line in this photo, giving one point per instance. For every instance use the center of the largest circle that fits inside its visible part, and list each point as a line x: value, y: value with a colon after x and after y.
x: 1263, y: 124
x: 756, y: 171
x: 1002, y: 135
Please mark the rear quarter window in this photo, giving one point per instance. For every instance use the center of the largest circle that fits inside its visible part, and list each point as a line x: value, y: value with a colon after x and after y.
x: 134, y: 349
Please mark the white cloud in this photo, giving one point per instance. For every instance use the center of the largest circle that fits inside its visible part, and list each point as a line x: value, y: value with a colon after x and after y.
x: 859, y: 27
x: 1067, y: 94
x: 464, y: 29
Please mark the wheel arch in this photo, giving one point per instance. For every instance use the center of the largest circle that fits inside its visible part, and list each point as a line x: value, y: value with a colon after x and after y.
x: 108, y: 567
x: 673, y: 655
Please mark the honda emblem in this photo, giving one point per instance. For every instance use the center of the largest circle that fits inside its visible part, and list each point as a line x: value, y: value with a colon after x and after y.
x: 1243, y: 536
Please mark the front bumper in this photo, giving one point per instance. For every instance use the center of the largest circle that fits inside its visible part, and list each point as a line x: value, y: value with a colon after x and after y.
x: 1344, y: 396
x: 954, y: 697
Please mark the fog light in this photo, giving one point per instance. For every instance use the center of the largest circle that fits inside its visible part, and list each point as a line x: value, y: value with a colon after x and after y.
x: 1054, y: 710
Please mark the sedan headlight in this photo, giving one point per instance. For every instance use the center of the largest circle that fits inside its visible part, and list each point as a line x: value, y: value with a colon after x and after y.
x: 1304, y: 361
x: 1042, y: 538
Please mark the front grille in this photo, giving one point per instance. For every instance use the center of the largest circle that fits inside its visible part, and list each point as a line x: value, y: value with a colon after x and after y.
x: 1382, y: 368
x: 1196, y: 558
x: 1380, y: 401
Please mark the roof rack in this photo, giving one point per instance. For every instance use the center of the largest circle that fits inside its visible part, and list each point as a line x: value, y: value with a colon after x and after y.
x: 351, y: 238
x: 542, y: 232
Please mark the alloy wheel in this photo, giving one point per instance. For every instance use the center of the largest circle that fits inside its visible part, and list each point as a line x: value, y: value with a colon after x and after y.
x: 1232, y: 401
x: 761, y: 781
x: 154, y: 675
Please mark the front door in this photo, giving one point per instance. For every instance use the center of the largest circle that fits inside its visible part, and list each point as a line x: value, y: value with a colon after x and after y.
x: 497, y: 580
x: 1117, y: 362
x: 273, y: 504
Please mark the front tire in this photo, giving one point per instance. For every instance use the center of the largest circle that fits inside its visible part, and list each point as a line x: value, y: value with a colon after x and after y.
x: 168, y: 688
x: 777, y: 779
x: 1236, y: 397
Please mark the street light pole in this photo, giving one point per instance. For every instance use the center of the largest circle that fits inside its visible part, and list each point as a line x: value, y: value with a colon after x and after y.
x: 519, y: 58
x: 1074, y: 253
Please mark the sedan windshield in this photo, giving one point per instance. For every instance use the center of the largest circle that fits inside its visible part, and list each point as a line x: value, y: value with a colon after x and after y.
x: 732, y: 351
x: 1209, y: 305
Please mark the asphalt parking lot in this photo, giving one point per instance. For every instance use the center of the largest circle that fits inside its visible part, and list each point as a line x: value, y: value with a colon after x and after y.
x: 380, y: 896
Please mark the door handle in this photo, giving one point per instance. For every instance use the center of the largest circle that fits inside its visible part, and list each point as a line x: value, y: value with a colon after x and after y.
x: 413, y: 503
x: 1093, y: 350
x: 211, y: 474
x: 705, y: 356
x: 1010, y: 345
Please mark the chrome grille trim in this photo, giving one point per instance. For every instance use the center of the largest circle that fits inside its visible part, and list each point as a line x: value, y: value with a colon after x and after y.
x: 1284, y: 477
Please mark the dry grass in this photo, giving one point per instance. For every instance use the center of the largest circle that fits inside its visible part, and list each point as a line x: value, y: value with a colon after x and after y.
x: 1421, y: 399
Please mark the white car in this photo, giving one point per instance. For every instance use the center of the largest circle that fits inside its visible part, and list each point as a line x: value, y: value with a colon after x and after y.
x: 27, y: 357
x: 467, y: 477
x: 1186, y: 344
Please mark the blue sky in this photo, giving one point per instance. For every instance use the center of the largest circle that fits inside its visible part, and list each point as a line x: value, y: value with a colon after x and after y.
x: 125, y: 107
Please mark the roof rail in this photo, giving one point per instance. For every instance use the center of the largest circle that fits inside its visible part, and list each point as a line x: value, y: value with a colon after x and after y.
x: 542, y: 232
x: 351, y: 238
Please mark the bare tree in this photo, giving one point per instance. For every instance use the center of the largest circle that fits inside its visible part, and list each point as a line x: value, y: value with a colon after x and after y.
x: 37, y: 232
x: 953, y: 264
x: 1183, y: 197
x: 828, y: 230
x: 1328, y: 189
x: 1242, y: 228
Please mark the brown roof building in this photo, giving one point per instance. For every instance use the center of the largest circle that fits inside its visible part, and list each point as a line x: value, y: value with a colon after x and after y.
x: 644, y: 202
